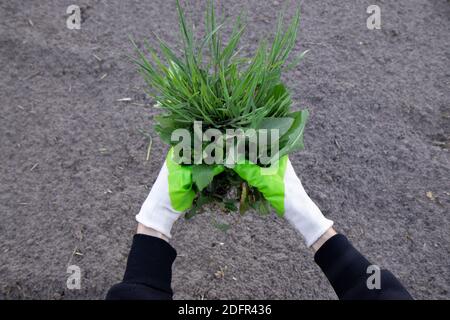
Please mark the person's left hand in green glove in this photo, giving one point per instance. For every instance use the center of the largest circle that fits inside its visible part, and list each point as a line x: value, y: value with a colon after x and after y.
x: 172, y: 194
x: 282, y: 188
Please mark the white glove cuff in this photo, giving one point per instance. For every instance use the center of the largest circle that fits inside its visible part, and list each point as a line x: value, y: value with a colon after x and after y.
x: 157, y: 212
x: 159, y: 221
x: 311, y: 228
x: 301, y: 211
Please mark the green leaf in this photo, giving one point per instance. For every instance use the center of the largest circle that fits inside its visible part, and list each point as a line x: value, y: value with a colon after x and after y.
x: 230, y: 205
x: 164, y: 133
x: 201, y: 200
x: 293, y: 139
x: 282, y: 124
x: 262, y: 206
x: 203, y: 175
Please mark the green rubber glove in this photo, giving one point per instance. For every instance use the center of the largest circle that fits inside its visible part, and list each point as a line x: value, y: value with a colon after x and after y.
x: 180, y: 184
x: 284, y: 191
x: 269, y: 181
x: 171, y: 195
x: 181, y: 191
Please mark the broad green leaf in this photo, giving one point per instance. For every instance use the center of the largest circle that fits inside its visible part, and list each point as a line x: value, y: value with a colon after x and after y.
x: 203, y: 175
x: 293, y: 139
x: 282, y: 124
x: 198, y: 204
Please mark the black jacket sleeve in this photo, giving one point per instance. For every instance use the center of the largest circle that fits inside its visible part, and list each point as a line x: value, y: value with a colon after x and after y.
x: 346, y: 269
x: 148, y: 275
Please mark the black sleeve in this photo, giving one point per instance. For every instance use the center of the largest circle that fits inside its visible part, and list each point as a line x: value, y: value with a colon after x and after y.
x: 149, y: 271
x: 346, y: 269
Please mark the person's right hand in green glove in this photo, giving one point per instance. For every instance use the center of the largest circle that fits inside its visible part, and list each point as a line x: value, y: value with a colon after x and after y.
x: 172, y: 195
x: 284, y: 191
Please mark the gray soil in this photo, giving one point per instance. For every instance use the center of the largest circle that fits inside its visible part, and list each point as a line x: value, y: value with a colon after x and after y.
x: 73, y: 172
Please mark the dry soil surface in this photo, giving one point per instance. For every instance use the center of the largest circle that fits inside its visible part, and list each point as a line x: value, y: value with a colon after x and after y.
x: 72, y: 163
